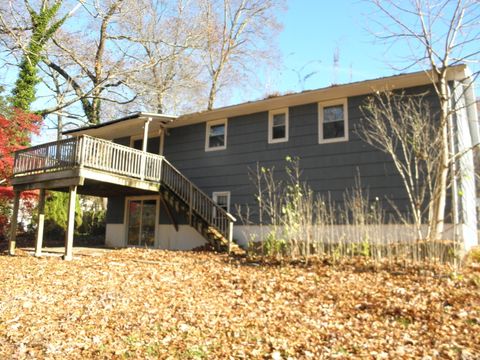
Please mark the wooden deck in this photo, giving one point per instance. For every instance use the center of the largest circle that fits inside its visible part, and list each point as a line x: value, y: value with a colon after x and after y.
x: 84, y: 161
x: 100, y: 167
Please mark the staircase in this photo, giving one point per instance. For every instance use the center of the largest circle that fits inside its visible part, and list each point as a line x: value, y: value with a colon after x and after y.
x: 203, y: 214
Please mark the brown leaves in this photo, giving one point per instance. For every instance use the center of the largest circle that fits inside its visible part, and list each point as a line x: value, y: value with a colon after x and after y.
x: 159, y: 304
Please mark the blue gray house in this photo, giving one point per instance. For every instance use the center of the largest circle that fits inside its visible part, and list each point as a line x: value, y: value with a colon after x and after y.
x: 174, y: 182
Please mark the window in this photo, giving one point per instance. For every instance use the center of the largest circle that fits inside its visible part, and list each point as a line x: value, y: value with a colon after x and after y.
x: 222, y: 199
x: 333, y: 121
x: 216, y: 136
x: 153, y: 144
x: 278, y: 126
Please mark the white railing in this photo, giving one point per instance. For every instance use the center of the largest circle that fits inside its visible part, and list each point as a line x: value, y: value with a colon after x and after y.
x: 119, y: 159
x: 86, y: 151
x: 58, y: 155
x: 198, y: 202
x: 89, y: 152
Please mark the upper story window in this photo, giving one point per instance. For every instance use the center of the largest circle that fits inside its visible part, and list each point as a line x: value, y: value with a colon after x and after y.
x: 278, y: 126
x: 333, y: 121
x: 216, y: 136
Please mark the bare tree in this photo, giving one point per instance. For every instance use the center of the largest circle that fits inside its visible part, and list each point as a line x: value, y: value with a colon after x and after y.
x: 94, y: 66
x: 238, y: 35
x: 167, y: 36
x: 151, y: 54
x: 403, y: 127
x: 440, y: 34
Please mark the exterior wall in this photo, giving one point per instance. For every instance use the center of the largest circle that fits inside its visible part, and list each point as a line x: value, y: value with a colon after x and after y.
x: 332, y: 234
x: 329, y: 169
x: 115, y: 235
x: 464, y: 182
x: 186, y: 238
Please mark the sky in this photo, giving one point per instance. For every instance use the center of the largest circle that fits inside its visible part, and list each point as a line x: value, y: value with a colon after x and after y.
x: 313, y: 31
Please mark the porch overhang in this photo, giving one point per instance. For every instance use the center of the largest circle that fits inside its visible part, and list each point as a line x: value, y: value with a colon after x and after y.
x: 126, y: 126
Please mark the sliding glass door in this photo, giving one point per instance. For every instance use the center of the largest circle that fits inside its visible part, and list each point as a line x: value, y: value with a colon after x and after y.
x: 142, y: 216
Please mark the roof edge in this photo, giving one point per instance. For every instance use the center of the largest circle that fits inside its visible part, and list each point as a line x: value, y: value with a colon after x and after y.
x: 136, y: 115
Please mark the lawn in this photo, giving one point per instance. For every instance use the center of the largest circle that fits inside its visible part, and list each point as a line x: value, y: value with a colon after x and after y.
x: 185, y: 305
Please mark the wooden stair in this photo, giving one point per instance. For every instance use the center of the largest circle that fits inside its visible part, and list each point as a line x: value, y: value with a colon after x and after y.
x: 200, y: 211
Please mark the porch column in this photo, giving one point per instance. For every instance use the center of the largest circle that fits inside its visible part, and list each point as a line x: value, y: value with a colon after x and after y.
x: 41, y: 220
x: 70, y: 224
x: 13, y: 225
x: 144, y: 147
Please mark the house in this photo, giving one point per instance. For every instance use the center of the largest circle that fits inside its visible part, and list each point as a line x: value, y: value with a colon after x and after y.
x: 173, y: 182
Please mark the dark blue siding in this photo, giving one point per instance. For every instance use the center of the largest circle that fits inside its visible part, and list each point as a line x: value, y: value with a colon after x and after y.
x: 328, y: 168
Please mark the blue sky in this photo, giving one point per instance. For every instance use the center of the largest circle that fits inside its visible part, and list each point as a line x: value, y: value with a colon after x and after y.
x: 313, y: 31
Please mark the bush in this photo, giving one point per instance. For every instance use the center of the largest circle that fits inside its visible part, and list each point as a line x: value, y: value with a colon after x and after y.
x: 93, y: 222
x: 56, y: 207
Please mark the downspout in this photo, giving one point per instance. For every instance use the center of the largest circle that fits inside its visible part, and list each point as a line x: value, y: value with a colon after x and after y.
x: 466, y: 136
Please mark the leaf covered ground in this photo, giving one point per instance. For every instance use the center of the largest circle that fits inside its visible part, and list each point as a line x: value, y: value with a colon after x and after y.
x: 184, y: 305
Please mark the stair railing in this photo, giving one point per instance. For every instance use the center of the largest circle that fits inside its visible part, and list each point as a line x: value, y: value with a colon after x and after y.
x: 198, y: 201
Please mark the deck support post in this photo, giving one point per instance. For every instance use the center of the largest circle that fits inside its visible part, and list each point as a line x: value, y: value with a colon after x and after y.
x: 144, y: 147
x: 230, y: 236
x: 70, y: 224
x: 41, y: 221
x: 13, y: 224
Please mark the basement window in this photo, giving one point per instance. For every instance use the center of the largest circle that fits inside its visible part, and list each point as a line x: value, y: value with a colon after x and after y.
x: 333, y: 121
x: 277, y: 126
x: 222, y: 199
x: 216, y: 135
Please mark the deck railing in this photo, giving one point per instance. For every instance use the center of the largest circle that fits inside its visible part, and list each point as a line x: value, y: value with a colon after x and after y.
x: 89, y: 152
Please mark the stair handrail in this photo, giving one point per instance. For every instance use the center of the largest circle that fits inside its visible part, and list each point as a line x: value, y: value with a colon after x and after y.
x: 184, y: 194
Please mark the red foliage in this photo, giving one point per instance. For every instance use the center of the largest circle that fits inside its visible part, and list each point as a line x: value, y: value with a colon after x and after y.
x: 15, y: 131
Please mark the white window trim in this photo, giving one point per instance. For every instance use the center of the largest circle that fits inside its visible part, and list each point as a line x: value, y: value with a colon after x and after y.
x: 216, y: 194
x: 321, y: 106
x: 271, y: 113
x: 207, y: 133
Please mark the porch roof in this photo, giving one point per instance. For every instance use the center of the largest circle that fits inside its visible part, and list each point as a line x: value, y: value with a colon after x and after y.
x: 126, y: 126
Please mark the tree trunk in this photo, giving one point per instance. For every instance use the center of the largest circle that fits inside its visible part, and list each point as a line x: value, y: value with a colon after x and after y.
x: 440, y: 193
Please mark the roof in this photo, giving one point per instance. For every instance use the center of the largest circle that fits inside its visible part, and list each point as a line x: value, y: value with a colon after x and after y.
x: 126, y: 123
x: 305, y: 97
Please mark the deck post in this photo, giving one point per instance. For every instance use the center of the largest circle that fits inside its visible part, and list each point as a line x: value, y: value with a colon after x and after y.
x: 70, y: 224
x: 230, y: 236
x: 41, y: 221
x: 13, y: 225
x: 144, y: 147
